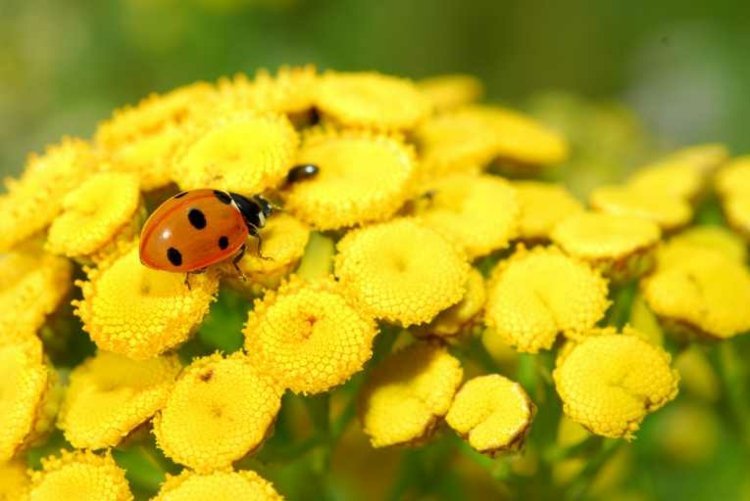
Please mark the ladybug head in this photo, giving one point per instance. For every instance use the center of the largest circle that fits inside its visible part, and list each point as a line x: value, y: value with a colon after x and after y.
x: 255, y: 210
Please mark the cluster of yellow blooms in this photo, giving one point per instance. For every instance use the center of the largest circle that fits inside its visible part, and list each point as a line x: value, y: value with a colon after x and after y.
x: 409, y: 225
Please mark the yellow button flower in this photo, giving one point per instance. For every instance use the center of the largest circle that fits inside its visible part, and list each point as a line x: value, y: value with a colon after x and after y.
x: 400, y: 271
x: 242, y: 152
x: 408, y: 393
x: 33, y: 201
x: 620, y: 246
x: 447, y: 92
x: 219, y: 410
x: 110, y: 395
x: 217, y: 486
x: 14, y: 481
x: 103, y: 209
x: 80, y: 475
x: 23, y: 384
x: 705, y: 158
x: 363, y: 178
x: 139, y: 312
x: 371, y: 100
x: 702, y: 290
x: 712, y: 239
x: 668, y: 212
x: 610, y: 382
x: 492, y: 412
x: 733, y: 185
x: 307, y: 336
x: 32, y: 284
x: 674, y: 179
x: 524, y: 141
x: 542, y: 206
x: 537, y: 294
x: 477, y: 212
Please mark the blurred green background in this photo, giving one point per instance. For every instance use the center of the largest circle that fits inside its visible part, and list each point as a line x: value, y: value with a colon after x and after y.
x: 682, y: 66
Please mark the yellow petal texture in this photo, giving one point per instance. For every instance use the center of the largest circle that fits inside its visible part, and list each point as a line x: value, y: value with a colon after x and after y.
x: 101, y: 209
x: 542, y: 206
x: 139, y: 312
x: 80, y: 475
x: 733, y: 185
x: 307, y: 336
x: 241, y: 152
x: 363, y: 177
x: 448, y: 92
x: 701, y: 289
x: 459, y: 318
x: 477, y: 212
x: 109, y: 395
x: 371, y: 100
x: 408, y: 393
x: 609, y: 383
x: 14, y: 481
x: 401, y: 271
x: 219, y: 410
x: 32, y: 284
x: 668, y: 212
x: 492, y: 412
x: 23, y: 383
x: 33, y: 200
x: 291, y: 90
x: 537, y: 294
x: 217, y: 486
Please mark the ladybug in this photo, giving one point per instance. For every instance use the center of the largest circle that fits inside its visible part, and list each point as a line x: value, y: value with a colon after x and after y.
x: 198, y: 228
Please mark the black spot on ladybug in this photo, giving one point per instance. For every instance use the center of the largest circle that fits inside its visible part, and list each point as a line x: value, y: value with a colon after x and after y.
x: 223, y: 197
x: 197, y: 219
x: 223, y: 242
x: 174, y: 256
x: 181, y: 194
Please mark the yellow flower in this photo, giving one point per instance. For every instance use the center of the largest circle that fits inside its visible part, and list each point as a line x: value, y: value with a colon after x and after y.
x: 448, y: 92
x: 110, y: 395
x: 670, y: 213
x: 284, y: 240
x: 542, y: 206
x: 32, y: 284
x: 524, y: 141
x: 701, y: 290
x: 363, y: 178
x: 537, y: 294
x: 219, y: 410
x: 33, y: 201
x: 400, y: 271
x: 103, y: 209
x: 217, y: 486
x: 733, y: 185
x: 14, y: 481
x: 492, y: 412
x: 705, y: 158
x: 673, y: 179
x: 23, y: 385
x: 712, y: 239
x: 408, y: 393
x: 620, y: 246
x: 477, y: 212
x: 307, y: 337
x: 243, y: 152
x: 80, y: 475
x: 139, y: 312
x: 459, y: 318
x: 371, y: 100
x: 610, y: 382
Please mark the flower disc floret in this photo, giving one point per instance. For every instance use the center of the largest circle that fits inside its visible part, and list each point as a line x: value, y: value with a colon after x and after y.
x: 139, y: 312
x: 461, y: 317
x: 14, y: 481
x: 217, y: 486
x: 308, y: 337
x: 109, y: 395
x: 670, y: 213
x: 243, y: 152
x: 537, y: 294
x: 408, y: 393
x: 101, y: 210
x: 542, y: 206
x: 447, y: 92
x: 80, y: 475
x: 609, y: 383
x: 401, y: 271
x: 219, y: 410
x: 363, y: 178
x: 492, y: 412
x: 479, y: 213
x: 371, y: 100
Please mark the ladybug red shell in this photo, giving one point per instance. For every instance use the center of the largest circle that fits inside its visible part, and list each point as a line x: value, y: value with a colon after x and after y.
x: 195, y: 229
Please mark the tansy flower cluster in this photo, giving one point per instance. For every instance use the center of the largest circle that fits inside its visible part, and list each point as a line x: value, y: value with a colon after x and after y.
x: 407, y: 285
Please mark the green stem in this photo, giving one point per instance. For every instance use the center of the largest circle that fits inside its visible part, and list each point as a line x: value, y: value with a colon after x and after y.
x: 582, y: 482
x: 734, y: 378
x: 622, y: 302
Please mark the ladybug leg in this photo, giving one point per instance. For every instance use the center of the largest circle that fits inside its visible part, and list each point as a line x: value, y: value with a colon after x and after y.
x: 187, y: 281
x: 236, y: 260
x: 256, y: 233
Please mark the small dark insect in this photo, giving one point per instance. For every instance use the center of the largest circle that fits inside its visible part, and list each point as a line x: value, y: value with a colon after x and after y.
x: 301, y: 172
